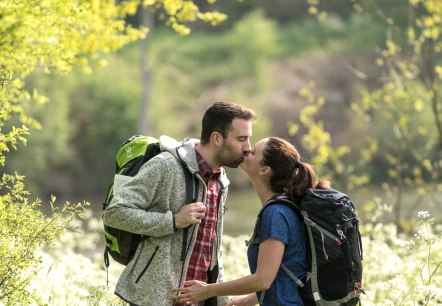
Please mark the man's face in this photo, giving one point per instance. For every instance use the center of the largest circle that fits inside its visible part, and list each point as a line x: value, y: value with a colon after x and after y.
x: 236, y: 145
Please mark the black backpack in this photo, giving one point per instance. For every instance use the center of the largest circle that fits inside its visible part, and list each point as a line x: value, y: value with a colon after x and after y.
x: 334, y: 248
x: 133, y: 153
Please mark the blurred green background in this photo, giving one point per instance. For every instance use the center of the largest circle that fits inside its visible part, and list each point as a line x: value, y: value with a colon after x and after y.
x: 262, y: 57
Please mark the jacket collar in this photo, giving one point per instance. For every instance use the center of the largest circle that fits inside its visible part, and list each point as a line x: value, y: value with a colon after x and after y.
x: 185, y: 151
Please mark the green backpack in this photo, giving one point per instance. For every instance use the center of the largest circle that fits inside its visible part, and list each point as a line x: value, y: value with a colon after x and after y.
x: 133, y: 153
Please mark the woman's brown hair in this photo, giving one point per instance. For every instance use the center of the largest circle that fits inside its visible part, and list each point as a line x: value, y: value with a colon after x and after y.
x: 290, y: 176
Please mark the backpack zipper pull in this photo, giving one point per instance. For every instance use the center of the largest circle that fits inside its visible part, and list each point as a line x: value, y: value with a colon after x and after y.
x: 340, y: 234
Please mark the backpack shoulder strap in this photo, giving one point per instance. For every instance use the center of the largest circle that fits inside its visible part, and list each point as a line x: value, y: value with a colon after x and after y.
x: 288, y: 202
x: 281, y: 199
x: 192, y: 188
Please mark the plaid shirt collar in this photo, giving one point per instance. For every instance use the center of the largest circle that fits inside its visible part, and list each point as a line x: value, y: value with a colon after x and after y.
x: 205, y: 169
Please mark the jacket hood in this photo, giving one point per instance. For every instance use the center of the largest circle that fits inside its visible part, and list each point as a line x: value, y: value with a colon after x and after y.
x: 185, y: 151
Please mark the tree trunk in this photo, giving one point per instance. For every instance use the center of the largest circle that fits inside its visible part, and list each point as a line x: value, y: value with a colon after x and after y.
x: 146, y: 75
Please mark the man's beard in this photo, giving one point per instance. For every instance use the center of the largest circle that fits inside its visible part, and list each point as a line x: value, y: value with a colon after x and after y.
x: 225, y: 159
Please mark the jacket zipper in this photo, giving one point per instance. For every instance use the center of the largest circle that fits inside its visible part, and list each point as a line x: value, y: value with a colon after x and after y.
x: 147, y: 265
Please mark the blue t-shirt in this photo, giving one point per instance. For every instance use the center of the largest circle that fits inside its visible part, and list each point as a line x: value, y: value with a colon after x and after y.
x: 281, y: 222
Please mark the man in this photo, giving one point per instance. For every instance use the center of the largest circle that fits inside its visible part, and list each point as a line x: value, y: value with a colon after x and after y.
x: 183, y: 240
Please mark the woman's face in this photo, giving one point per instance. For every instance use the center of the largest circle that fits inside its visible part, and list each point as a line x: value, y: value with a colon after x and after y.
x: 251, y: 164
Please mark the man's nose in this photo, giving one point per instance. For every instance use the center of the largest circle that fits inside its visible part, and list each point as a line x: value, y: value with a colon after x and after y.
x: 247, y: 148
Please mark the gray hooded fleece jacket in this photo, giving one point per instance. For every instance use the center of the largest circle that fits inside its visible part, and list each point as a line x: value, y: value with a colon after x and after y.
x: 146, y: 205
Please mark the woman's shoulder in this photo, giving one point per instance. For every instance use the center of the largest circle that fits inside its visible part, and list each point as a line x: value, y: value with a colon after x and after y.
x: 279, y: 208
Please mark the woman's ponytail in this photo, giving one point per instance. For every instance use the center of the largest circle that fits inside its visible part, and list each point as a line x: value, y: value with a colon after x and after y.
x: 290, y: 175
x: 323, y: 184
x: 303, y: 178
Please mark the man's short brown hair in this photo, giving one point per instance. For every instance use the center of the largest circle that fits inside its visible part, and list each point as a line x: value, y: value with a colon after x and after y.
x: 219, y: 117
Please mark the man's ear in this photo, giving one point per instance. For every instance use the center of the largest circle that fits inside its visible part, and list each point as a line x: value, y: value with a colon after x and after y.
x: 216, y: 138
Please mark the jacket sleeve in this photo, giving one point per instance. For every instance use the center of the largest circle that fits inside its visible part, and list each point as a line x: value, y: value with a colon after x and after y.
x: 141, y: 206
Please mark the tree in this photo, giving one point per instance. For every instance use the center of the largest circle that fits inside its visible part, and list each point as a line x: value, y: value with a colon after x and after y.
x: 53, y: 35
x: 403, y: 115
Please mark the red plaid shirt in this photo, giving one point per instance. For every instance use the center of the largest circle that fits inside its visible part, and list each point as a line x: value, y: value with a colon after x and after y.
x: 202, y: 251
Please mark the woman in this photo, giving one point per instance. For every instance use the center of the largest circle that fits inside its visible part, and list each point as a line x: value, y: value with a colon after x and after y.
x: 275, y: 168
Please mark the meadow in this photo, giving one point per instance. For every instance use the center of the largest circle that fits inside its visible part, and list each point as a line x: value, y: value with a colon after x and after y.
x: 399, y: 268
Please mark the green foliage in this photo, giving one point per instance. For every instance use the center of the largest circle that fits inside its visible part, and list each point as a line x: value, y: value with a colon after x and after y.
x: 329, y: 160
x: 401, y: 119
x: 53, y: 35
x: 254, y: 41
x: 409, y: 101
x: 410, y: 142
x: 177, y: 13
x: 23, y: 229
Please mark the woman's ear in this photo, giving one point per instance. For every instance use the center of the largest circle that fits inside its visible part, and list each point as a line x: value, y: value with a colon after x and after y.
x: 264, y: 170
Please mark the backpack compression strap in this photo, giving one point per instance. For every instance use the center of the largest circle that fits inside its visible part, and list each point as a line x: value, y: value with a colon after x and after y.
x: 293, y: 276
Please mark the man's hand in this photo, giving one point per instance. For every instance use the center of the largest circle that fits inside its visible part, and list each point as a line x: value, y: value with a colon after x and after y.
x: 190, y: 214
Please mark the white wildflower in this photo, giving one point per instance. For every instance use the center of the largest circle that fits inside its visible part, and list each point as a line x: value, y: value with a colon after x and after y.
x: 423, y: 214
